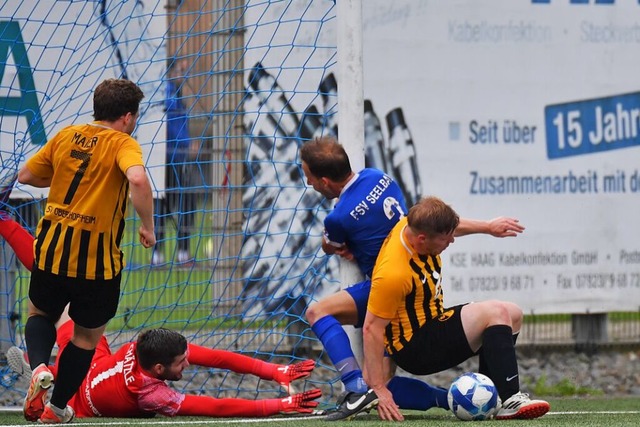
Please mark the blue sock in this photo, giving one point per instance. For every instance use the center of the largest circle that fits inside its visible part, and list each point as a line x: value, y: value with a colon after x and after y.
x: 336, y: 343
x: 409, y: 393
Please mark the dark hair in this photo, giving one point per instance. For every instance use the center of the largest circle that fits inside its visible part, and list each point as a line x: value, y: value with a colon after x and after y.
x: 159, y: 346
x: 325, y: 157
x: 432, y: 216
x: 113, y: 98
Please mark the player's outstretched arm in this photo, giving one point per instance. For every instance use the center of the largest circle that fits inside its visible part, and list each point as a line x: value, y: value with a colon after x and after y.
x: 222, y: 359
x: 498, y: 227
x: 20, y: 240
x: 286, y: 374
x: 302, y: 403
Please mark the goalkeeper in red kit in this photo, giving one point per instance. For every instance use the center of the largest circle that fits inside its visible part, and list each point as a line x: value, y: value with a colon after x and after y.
x: 132, y: 381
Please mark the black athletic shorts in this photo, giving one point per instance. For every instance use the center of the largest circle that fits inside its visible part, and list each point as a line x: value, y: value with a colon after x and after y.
x: 92, y: 303
x: 438, y: 345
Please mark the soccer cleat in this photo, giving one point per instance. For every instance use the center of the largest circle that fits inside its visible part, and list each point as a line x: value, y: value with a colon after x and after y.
x: 351, y: 404
x: 41, y: 380
x: 17, y: 361
x: 521, y: 407
x: 50, y: 417
x: 6, y: 186
x: 286, y: 374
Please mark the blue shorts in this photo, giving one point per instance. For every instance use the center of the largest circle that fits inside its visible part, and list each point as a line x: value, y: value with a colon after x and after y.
x: 360, y: 294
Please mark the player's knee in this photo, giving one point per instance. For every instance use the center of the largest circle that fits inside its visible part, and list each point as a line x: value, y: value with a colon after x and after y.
x: 499, y: 313
x: 312, y: 313
x: 516, y: 317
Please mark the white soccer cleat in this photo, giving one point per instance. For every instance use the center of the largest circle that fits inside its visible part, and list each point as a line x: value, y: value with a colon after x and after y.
x: 521, y: 407
x: 17, y: 361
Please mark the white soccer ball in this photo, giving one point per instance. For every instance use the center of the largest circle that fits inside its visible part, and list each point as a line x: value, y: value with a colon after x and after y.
x: 473, y: 397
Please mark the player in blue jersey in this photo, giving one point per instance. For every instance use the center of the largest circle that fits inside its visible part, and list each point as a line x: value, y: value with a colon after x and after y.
x: 369, y: 205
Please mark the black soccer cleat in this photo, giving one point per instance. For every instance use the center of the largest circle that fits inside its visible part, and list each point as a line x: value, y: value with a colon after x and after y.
x: 351, y: 404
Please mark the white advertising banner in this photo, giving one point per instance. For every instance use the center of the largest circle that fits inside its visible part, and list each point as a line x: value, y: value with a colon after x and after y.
x: 528, y: 109
x: 521, y: 108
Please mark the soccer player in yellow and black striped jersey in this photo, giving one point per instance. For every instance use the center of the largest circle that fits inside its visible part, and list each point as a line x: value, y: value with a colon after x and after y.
x: 407, y: 318
x: 90, y: 169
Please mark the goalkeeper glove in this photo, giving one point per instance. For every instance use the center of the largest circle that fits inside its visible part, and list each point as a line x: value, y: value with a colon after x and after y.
x: 301, y: 403
x: 285, y: 374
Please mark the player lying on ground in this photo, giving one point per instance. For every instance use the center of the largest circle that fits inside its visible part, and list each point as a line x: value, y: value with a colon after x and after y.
x: 131, y: 382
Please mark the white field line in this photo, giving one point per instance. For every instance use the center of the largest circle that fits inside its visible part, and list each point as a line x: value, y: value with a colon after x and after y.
x: 177, y: 421
x: 592, y: 412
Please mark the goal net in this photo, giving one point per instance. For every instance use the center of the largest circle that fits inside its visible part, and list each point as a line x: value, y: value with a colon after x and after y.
x: 232, y: 89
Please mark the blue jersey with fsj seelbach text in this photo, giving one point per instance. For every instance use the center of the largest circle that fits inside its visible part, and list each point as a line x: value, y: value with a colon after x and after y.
x: 367, y: 209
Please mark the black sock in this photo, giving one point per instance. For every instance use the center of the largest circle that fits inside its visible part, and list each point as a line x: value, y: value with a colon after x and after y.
x: 482, y: 366
x: 40, y: 336
x: 73, y: 365
x: 500, y: 359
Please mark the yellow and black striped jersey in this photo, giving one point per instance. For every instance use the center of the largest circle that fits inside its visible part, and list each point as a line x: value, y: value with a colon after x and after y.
x: 83, y: 223
x: 405, y: 288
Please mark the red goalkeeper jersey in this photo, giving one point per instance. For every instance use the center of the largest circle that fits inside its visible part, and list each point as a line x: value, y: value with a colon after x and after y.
x: 116, y: 386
